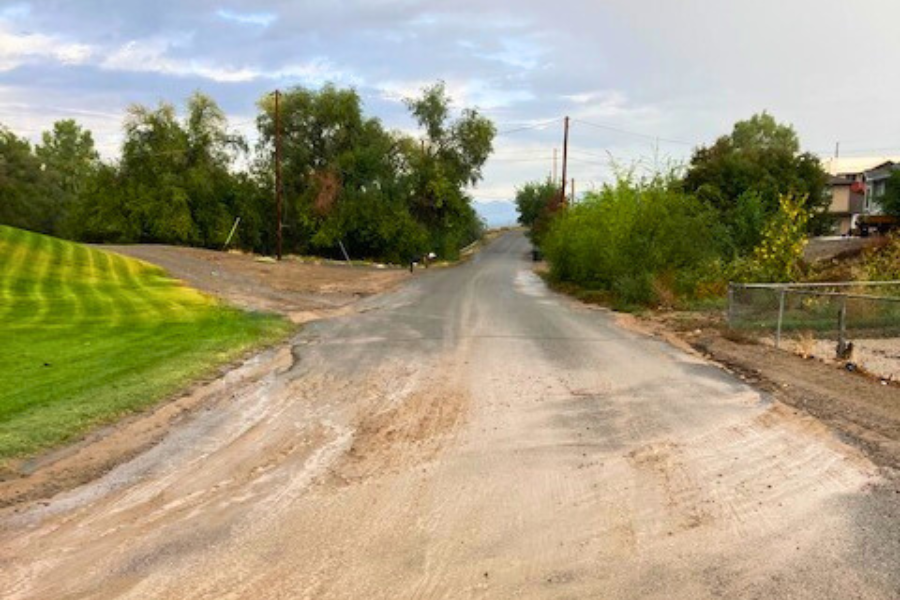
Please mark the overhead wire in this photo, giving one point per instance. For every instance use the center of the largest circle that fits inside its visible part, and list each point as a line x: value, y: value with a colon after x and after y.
x: 633, y: 133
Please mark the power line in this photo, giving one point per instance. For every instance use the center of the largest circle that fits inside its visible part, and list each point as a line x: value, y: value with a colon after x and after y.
x: 588, y: 153
x: 518, y: 160
x: 537, y: 125
x: 633, y: 133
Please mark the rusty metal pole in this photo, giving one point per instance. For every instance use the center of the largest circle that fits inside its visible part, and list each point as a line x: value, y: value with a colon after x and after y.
x: 278, y: 225
x: 780, y: 318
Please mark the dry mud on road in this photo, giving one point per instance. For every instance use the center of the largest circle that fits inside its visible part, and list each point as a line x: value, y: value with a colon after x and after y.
x: 473, y: 435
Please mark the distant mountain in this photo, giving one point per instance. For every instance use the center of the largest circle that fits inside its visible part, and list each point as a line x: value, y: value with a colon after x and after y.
x: 496, y: 214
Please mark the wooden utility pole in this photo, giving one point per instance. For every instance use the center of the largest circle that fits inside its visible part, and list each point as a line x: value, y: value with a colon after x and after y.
x: 278, y: 225
x: 565, y: 160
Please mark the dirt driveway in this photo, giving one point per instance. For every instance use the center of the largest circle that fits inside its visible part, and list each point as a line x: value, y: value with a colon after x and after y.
x: 301, y: 290
x: 473, y: 435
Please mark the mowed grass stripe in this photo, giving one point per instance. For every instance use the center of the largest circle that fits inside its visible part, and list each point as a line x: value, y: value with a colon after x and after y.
x: 32, y: 299
x: 19, y: 282
x: 123, y: 307
x: 105, y: 307
x: 95, y: 303
x: 13, y: 253
x: 91, y: 336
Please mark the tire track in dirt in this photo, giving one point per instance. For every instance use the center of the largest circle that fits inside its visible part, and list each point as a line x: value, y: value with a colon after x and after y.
x: 517, y: 447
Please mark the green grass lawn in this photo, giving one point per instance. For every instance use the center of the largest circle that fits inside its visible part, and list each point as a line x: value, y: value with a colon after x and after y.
x: 89, y: 336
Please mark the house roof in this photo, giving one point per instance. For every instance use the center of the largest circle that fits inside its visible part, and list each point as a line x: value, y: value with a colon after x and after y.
x: 855, y: 164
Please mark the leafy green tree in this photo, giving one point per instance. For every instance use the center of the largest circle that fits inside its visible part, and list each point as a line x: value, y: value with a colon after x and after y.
x: 69, y: 154
x: 347, y: 180
x: 27, y: 194
x: 533, y: 198
x: 68, y: 159
x: 758, y: 162
x: 890, y: 201
x: 337, y: 167
x: 449, y: 159
x: 536, y: 202
x: 173, y: 183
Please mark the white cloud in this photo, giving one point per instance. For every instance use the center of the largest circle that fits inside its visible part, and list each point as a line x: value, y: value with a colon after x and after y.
x: 17, y: 49
x: 153, y: 56
x: 261, y: 19
x: 474, y: 92
x: 518, y: 53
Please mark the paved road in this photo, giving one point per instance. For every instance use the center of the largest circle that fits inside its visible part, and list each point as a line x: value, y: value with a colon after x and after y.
x: 473, y: 436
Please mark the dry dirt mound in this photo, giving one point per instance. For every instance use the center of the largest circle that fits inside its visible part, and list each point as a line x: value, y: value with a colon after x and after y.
x: 301, y: 290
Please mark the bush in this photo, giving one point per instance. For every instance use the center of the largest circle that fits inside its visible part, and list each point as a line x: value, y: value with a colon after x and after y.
x: 644, y: 242
x: 882, y: 262
x: 777, y: 257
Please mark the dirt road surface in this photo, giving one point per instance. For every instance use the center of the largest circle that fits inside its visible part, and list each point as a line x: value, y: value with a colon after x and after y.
x: 301, y: 290
x: 472, y: 435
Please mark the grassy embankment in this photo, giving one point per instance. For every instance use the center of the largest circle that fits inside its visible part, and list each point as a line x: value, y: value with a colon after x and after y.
x: 89, y: 336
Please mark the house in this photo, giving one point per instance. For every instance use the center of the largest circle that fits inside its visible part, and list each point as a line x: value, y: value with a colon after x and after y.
x: 876, y: 184
x: 854, y: 186
x: 847, y: 200
x: 873, y: 217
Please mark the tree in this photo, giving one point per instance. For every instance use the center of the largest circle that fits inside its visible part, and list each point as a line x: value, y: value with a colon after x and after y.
x: 173, y: 183
x: 533, y: 198
x: 69, y: 154
x: 386, y: 195
x: 27, y: 196
x: 890, y: 201
x: 758, y: 162
x: 339, y: 168
x: 536, y: 202
x: 449, y: 159
x: 68, y: 159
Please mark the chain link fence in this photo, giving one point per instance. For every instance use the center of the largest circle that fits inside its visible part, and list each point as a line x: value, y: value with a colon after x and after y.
x: 844, y: 318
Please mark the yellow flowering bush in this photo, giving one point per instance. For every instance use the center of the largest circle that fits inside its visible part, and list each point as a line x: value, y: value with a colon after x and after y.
x: 777, y: 257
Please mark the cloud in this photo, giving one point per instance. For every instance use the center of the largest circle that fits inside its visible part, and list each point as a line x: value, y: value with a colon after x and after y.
x: 17, y: 49
x: 261, y: 19
x: 474, y: 93
x: 152, y: 56
x: 650, y: 66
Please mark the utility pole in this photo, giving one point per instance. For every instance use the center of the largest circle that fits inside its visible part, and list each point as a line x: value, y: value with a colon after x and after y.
x: 837, y: 149
x: 572, y: 193
x: 278, y: 225
x: 565, y: 160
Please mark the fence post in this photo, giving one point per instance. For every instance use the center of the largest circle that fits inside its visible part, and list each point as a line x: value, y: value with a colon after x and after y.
x: 842, y: 329
x: 730, y: 316
x: 780, y: 317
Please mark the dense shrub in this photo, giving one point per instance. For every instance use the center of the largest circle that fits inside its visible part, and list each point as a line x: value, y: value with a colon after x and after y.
x: 643, y: 242
x: 778, y: 255
x: 881, y: 262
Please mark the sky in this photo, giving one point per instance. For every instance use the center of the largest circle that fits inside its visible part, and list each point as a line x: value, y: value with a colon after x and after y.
x: 643, y: 81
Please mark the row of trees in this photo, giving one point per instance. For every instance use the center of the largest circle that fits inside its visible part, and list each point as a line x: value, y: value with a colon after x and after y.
x: 741, y: 209
x: 184, y: 180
